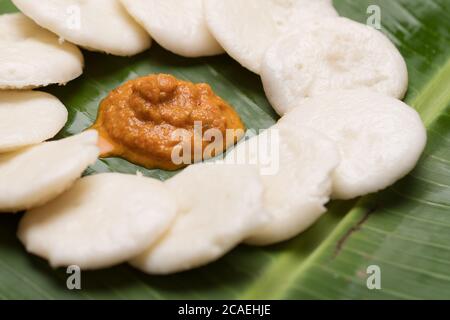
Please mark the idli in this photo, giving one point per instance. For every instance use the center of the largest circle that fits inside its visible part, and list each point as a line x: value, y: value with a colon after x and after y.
x: 246, y: 29
x: 34, y: 57
x: 178, y: 26
x: 103, y: 220
x: 331, y: 54
x: 298, y: 185
x: 32, y: 176
x: 29, y: 117
x: 380, y: 139
x: 218, y: 207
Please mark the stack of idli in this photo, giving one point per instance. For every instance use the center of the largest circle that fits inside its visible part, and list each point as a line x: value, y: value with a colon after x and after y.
x: 32, y: 171
x: 37, y: 49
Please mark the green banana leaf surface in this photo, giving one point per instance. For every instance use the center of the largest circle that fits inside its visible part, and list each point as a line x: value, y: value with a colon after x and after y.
x: 404, y: 230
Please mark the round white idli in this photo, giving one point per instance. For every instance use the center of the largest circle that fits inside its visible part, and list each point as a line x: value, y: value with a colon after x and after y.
x: 101, y: 221
x: 296, y: 166
x: 29, y: 117
x: 218, y: 207
x: 34, y: 57
x: 380, y: 139
x: 246, y: 29
x: 331, y: 54
x: 32, y: 176
x: 98, y: 25
x: 178, y: 26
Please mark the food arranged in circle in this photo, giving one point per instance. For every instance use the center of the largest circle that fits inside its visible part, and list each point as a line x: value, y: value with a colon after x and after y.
x: 336, y: 84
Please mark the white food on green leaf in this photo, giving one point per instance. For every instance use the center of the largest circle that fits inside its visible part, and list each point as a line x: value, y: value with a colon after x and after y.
x: 298, y: 184
x: 380, y: 139
x: 34, y: 57
x: 219, y: 206
x: 246, y: 29
x: 29, y: 117
x: 178, y: 26
x: 101, y: 221
x: 98, y: 25
x: 331, y: 54
x: 34, y: 175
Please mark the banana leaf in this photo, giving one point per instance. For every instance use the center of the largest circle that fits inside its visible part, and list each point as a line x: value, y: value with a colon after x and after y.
x: 404, y: 230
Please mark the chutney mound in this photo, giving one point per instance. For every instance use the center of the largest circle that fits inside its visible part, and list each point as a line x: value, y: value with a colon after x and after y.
x: 138, y: 121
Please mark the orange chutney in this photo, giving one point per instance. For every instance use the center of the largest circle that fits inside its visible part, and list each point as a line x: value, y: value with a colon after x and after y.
x: 137, y: 120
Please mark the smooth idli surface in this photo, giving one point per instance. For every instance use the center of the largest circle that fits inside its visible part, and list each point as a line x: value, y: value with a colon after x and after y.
x: 178, y: 26
x: 380, y: 139
x: 103, y: 220
x: 29, y: 117
x: 331, y: 54
x: 34, y: 57
x: 246, y: 29
x: 98, y: 25
x: 298, y: 184
x: 218, y: 207
x: 34, y: 175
